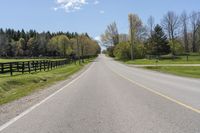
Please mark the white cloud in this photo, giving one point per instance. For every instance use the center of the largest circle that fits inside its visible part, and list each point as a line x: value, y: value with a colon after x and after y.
x: 70, y: 5
x: 96, y: 2
x: 97, y: 38
x: 102, y: 12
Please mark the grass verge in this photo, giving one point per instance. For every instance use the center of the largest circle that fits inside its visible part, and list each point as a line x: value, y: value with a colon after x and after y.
x: 15, y: 87
x: 188, y: 71
x: 192, y: 59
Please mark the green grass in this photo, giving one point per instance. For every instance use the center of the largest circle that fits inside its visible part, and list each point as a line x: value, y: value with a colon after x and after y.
x: 191, y: 71
x: 16, y: 60
x: 193, y: 59
x: 15, y: 87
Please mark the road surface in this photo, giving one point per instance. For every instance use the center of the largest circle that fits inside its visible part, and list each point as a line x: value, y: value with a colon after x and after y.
x: 113, y: 98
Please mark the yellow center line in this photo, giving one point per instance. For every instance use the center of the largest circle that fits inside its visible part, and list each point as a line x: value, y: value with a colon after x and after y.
x: 158, y: 93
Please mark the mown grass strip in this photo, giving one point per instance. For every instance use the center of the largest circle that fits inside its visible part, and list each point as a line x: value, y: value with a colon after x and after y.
x: 186, y: 71
x: 192, y: 59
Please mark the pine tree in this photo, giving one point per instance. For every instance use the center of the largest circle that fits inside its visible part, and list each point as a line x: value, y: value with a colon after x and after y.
x: 158, y: 42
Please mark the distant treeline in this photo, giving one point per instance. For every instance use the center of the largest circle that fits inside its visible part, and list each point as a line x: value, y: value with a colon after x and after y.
x: 34, y: 44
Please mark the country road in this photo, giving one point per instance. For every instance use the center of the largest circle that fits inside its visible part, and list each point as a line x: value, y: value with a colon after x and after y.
x: 110, y: 97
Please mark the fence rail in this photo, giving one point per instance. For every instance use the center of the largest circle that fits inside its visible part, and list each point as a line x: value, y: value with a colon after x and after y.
x: 30, y: 66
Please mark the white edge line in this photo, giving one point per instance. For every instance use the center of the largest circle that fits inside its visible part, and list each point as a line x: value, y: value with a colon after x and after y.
x: 4, y: 126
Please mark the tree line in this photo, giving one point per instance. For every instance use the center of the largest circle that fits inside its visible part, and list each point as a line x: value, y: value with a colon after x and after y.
x: 46, y: 44
x: 175, y: 35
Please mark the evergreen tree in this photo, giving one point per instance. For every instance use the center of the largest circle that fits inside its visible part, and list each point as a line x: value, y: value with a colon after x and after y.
x: 158, y: 43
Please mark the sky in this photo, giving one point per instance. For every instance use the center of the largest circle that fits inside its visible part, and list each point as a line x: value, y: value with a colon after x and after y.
x: 91, y: 16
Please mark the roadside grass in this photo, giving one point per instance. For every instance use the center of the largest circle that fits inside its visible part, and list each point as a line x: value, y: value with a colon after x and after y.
x: 193, y: 59
x: 17, y: 60
x: 185, y: 71
x: 17, y: 86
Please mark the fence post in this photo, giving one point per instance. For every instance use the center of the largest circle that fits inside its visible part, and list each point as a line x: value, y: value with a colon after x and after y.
x: 40, y: 65
x: 44, y: 65
x: 11, y: 70
x: 48, y: 62
x: 29, y: 67
x: 35, y: 66
x: 2, y: 68
x: 23, y: 68
x: 17, y: 66
x: 51, y: 65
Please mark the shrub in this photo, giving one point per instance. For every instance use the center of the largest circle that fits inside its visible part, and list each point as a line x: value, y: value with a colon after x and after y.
x: 122, y: 50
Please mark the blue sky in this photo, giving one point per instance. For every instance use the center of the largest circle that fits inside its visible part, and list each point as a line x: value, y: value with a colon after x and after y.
x: 90, y: 16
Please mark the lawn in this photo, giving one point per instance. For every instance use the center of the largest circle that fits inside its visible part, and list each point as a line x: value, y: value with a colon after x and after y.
x: 193, y: 59
x: 191, y: 71
x: 15, y: 87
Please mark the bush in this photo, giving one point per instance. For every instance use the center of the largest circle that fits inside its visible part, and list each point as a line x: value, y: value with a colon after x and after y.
x: 122, y: 51
x: 178, y: 48
x: 139, y: 51
x: 110, y: 51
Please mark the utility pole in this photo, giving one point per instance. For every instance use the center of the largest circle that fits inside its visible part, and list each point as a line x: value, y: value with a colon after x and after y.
x: 78, y: 49
x: 131, y: 35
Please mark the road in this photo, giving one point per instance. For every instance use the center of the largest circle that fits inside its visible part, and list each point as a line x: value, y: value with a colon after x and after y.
x: 113, y: 98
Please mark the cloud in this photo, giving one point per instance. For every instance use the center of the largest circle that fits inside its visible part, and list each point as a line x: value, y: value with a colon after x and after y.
x: 97, y: 38
x: 102, y: 12
x: 96, y: 2
x: 70, y: 5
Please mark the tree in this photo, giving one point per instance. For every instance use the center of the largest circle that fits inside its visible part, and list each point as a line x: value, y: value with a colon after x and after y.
x: 195, y: 21
x: 53, y: 47
x: 185, y: 29
x: 30, y: 45
x: 158, y: 42
x: 151, y: 24
x: 135, y: 25
x: 170, y: 23
x: 3, y: 45
x: 111, y: 35
x: 122, y: 50
x: 63, y: 43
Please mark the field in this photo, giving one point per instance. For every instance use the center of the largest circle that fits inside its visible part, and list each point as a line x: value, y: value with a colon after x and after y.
x: 15, y: 87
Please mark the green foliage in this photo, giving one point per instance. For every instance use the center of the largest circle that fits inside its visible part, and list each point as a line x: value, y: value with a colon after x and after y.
x: 110, y: 51
x: 178, y: 47
x: 122, y: 50
x: 139, y: 51
x: 33, y: 44
x: 158, y: 44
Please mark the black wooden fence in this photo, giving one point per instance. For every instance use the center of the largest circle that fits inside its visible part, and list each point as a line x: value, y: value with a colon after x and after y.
x: 30, y: 66
x: 35, y: 66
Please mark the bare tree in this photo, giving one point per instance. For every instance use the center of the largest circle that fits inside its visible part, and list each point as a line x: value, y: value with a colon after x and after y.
x: 195, y: 21
x: 151, y: 24
x: 111, y: 35
x: 184, y: 22
x: 135, y: 25
x: 170, y: 23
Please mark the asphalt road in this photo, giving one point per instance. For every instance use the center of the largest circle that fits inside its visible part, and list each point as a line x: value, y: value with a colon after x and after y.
x: 113, y: 98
